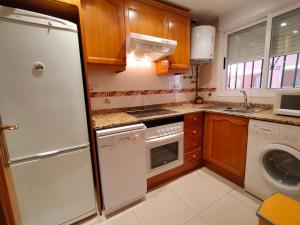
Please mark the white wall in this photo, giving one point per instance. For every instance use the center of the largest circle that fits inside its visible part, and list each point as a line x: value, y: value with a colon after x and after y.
x: 250, y: 11
x: 246, y: 13
x: 138, y: 76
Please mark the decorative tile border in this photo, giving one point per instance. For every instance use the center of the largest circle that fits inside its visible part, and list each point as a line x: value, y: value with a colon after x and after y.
x: 147, y: 92
x: 207, y: 89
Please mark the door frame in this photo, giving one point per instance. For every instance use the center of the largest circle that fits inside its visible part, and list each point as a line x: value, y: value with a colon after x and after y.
x: 9, y: 209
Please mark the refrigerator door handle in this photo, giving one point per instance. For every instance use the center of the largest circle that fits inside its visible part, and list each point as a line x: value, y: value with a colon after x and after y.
x: 49, y: 154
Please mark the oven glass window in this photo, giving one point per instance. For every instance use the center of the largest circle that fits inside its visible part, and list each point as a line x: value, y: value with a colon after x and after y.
x: 282, y: 166
x: 164, y: 154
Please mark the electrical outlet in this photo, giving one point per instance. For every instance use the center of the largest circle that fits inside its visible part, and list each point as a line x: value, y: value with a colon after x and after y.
x: 92, y: 88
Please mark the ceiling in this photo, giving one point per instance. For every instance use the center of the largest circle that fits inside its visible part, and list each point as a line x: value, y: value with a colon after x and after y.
x: 207, y: 10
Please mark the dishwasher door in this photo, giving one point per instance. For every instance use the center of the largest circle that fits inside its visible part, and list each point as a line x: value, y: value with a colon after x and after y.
x: 122, y: 159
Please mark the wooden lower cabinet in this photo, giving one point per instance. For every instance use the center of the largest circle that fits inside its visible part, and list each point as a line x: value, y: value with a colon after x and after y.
x: 73, y: 2
x: 225, y: 145
x: 193, y: 130
x: 193, y: 137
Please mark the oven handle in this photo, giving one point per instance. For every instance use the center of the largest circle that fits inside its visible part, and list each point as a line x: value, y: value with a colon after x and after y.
x: 164, y: 138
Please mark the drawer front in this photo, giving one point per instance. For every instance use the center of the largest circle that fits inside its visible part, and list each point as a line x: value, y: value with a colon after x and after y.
x: 193, y: 132
x: 193, y: 119
x: 192, y: 144
x: 194, y: 155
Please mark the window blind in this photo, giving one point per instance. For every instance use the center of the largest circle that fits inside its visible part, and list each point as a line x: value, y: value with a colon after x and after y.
x: 286, y: 33
x: 246, y: 45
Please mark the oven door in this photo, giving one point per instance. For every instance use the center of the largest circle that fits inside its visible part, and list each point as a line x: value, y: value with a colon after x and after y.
x: 164, y: 153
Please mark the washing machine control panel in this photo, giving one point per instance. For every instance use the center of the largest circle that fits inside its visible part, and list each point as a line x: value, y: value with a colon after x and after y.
x: 275, y: 132
x: 265, y: 131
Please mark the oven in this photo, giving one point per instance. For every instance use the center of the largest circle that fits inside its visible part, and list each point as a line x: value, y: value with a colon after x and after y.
x: 164, y: 145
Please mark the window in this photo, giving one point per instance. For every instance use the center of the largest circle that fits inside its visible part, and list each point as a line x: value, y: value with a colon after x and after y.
x: 245, y: 56
x: 284, y: 69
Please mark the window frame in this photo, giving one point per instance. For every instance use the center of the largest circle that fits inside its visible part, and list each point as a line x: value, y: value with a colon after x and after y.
x: 264, y: 90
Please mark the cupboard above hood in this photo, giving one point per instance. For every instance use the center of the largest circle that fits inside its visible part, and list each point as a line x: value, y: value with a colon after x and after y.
x: 150, y: 48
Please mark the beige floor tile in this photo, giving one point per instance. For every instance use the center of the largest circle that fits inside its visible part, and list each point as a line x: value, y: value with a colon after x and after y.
x: 215, y: 199
x: 94, y: 221
x: 125, y: 218
x: 245, y: 197
x: 163, y: 209
x: 197, y: 192
x: 229, y: 211
x: 195, y: 221
x: 156, y: 191
x: 216, y: 179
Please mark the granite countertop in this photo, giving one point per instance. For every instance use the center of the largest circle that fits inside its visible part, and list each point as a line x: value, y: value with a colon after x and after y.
x: 107, y: 120
x: 268, y: 115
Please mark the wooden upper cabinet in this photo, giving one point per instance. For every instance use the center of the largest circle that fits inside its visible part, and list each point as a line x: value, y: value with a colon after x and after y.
x: 160, y: 20
x: 145, y: 19
x: 104, y: 31
x: 179, y: 29
x: 225, y: 145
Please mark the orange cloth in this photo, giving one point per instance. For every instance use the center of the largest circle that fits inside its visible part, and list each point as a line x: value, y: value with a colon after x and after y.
x: 280, y: 210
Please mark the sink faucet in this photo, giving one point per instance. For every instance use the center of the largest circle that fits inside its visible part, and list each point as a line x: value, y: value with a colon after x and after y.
x: 246, y: 104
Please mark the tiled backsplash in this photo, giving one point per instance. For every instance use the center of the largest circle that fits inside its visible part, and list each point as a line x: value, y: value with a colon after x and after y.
x: 140, y: 92
x: 137, y: 86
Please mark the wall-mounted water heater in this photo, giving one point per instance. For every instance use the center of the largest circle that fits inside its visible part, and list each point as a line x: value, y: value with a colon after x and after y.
x: 202, y: 43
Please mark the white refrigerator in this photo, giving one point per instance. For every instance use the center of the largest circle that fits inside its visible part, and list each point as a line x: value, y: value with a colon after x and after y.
x: 41, y: 90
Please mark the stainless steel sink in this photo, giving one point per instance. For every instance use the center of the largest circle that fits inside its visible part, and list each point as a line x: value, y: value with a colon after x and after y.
x: 243, y: 110
x: 201, y: 106
x: 227, y: 109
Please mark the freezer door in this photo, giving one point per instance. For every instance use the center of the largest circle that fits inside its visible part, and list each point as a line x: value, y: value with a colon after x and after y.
x: 55, y: 189
x: 41, y: 88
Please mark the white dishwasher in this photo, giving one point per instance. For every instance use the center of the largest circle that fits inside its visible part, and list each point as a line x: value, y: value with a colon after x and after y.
x: 122, y: 161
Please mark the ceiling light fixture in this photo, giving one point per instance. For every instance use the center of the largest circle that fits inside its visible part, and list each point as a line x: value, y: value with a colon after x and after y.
x: 283, y: 24
x: 295, y: 32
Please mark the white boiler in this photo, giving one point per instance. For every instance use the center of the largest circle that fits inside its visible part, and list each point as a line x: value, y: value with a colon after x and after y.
x: 203, y: 43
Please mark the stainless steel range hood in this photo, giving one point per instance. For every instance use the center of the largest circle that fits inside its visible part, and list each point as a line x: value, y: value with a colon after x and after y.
x: 150, y: 48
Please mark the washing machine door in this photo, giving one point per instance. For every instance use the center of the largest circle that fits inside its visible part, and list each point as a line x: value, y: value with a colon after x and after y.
x: 280, y: 166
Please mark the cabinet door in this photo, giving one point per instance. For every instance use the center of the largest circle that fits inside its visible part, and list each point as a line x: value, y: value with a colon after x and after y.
x: 145, y: 19
x: 73, y: 2
x: 178, y: 28
x: 226, y: 143
x: 104, y: 31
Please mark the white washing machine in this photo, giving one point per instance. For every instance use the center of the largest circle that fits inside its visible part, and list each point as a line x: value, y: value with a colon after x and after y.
x: 273, y: 159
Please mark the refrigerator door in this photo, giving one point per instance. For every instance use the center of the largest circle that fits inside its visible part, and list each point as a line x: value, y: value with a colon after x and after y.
x: 41, y: 85
x: 59, y: 188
